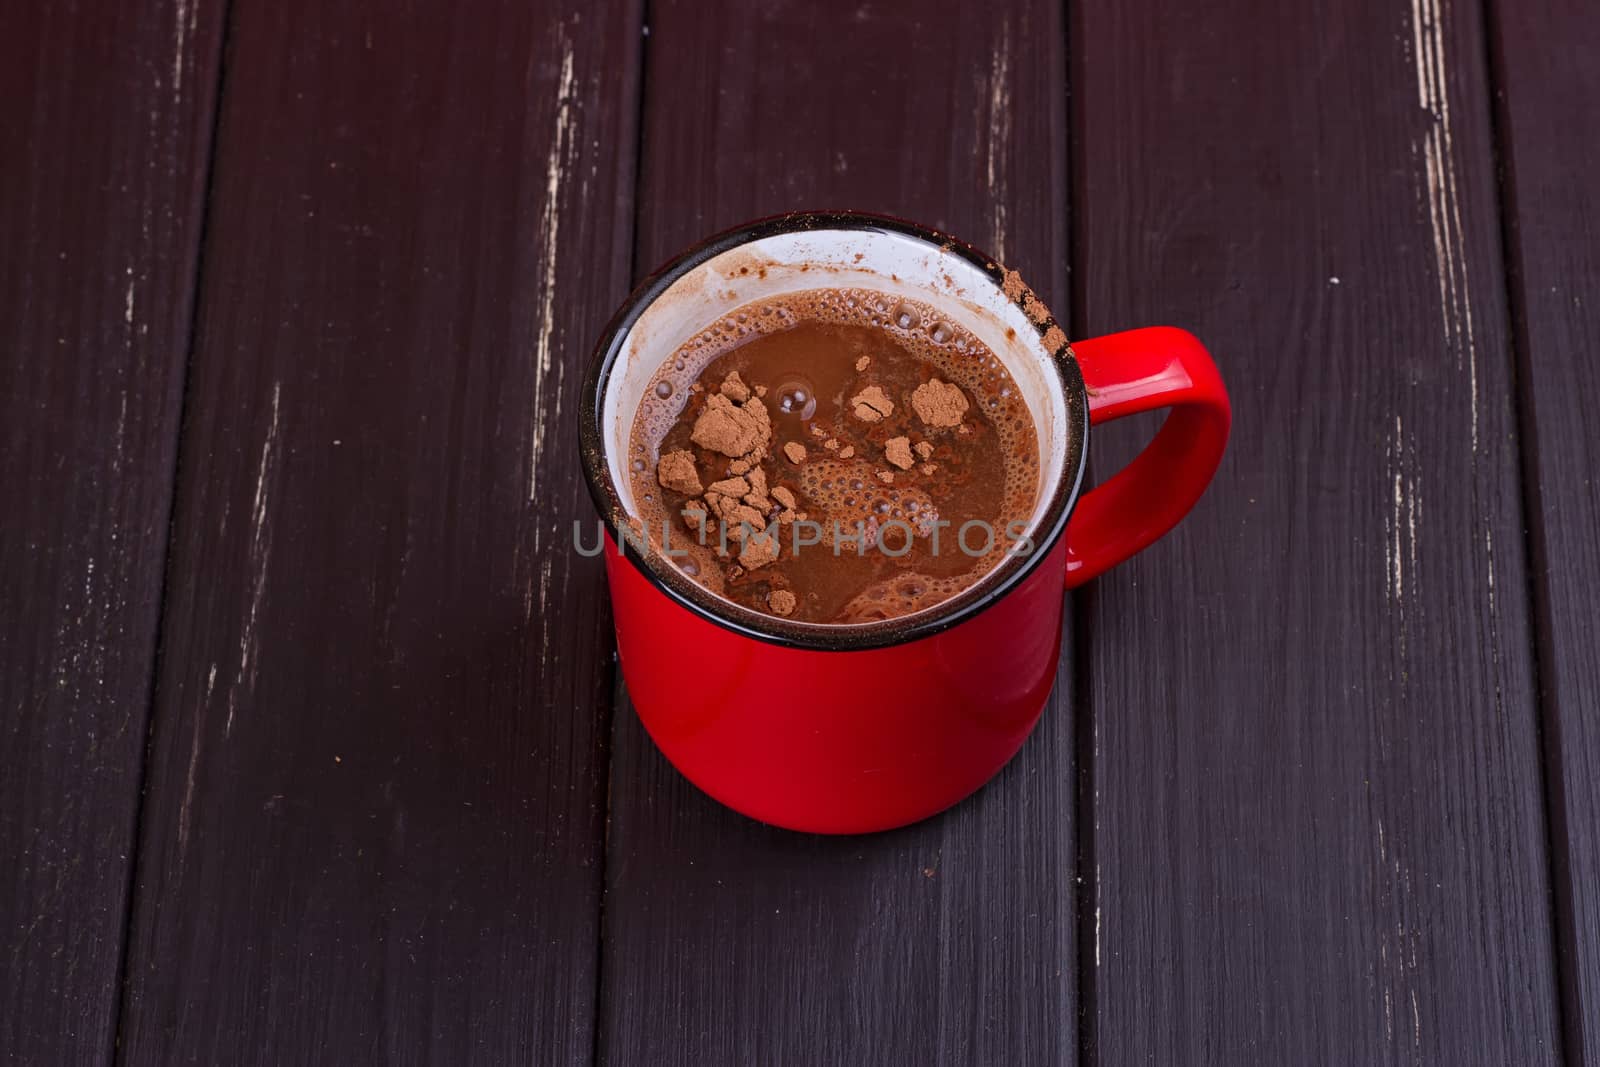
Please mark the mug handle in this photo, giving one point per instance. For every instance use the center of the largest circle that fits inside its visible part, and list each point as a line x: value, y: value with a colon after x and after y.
x: 1124, y: 374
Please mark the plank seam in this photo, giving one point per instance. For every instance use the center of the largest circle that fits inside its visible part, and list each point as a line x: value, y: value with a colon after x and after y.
x: 1086, y: 872
x: 1547, y: 717
x: 599, y: 1051
x: 1086, y: 883
x: 196, y: 286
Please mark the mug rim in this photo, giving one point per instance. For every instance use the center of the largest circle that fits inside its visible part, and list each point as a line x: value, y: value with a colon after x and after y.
x: 992, y: 587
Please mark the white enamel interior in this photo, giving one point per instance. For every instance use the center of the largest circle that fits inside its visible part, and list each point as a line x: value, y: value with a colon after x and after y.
x: 874, y: 259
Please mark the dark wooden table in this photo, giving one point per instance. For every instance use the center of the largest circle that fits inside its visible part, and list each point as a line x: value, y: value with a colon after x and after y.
x: 312, y: 746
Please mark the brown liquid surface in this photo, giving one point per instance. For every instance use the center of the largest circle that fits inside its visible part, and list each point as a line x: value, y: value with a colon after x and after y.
x: 888, y: 546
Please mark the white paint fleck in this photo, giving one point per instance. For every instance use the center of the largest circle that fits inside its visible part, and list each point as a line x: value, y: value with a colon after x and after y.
x: 1488, y: 551
x: 122, y: 432
x: 1444, y: 202
x: 546, y: 561
x: 1333, y: 280
x: 999, y: 138
x: 1097, y: 884
x: 1393, y: 569
x: 1397, y: 574
x: 1400, y: 523
x: 260, y: 552
x: 1413, y: 506
x: 127, y: 300
x: 556, y: 166
x: 183, y: 27
x: 1444, y: 213
x: 194, y: 762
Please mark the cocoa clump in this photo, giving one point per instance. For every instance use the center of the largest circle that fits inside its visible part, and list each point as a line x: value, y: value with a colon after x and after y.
x: 757, y: 496
x: 735, y: 430
x: 698, y: 516
x: 676, y: 471
x: 788, y: 505
x: 734, y: 389
x: 1013, y: 285
x: 735, y: 486
x: 939, y: 404
x: 758, y: 551
x: 737, y: 514
x: 898, y: 451
x: 1034, y: 309
x: 872, y: 404
x: 729, y: 500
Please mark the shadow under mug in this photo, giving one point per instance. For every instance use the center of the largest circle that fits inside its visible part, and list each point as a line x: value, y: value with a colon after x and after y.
x: 844, y: 729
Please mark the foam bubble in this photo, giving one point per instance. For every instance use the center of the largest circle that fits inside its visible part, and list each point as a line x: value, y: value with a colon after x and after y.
x: 903, y: 594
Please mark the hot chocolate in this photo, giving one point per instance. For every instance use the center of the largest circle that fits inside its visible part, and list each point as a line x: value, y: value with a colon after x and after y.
x: 834, y: 456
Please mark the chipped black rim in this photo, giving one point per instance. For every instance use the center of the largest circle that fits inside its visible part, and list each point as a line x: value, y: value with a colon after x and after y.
x: 993, y: 586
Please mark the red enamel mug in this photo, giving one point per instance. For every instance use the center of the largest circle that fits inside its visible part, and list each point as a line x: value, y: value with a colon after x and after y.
x: 852, y: 728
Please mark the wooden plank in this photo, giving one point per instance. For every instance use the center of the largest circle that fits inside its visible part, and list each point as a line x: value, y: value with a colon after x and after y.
x: 1549, y: 130
x: 1318, y: 829
x: 105, y: 127
x: 375, y: 808
x: 947, y: 942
